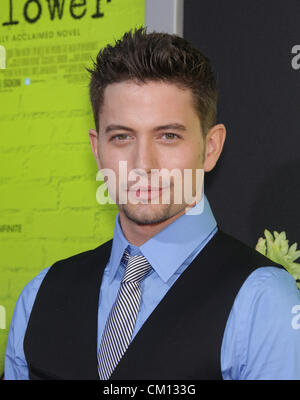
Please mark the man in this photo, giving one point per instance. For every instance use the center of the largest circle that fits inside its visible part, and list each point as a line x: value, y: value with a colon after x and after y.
x: 171, y: 296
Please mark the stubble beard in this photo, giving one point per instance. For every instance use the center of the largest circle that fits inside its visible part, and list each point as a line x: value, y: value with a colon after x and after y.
x: 150, y: 214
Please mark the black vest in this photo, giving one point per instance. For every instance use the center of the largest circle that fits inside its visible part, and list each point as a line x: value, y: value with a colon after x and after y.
x: 181, y: 339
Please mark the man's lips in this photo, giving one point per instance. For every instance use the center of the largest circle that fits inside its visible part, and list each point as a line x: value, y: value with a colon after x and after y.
x: 147, y: 189
x: 147, y: 192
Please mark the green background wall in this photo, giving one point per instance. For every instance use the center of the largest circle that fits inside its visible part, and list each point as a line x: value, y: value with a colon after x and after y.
x: 48, y: 207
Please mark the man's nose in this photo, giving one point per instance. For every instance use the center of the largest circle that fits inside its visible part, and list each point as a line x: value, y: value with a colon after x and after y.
x: 145, y: 157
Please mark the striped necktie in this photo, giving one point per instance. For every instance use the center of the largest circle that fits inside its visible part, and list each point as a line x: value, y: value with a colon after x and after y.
x: 121, y: 320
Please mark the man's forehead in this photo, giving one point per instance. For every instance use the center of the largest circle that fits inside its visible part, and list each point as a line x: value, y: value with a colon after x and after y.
x: 164, y: 99
x: 151, y: 86
x: 118, y: 112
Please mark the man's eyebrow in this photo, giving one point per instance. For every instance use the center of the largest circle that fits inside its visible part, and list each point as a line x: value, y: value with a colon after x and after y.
x: 175, y: 126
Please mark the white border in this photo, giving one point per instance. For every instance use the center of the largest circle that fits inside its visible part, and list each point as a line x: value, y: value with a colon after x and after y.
x: 164, y: 16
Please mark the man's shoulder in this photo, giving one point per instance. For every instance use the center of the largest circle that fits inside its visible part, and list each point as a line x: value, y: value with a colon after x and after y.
x: 267, y: 296
x: 270, y: 280
x: 66, y: 265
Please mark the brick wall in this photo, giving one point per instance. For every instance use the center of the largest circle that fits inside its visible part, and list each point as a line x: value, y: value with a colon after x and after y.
x: 48, y: 211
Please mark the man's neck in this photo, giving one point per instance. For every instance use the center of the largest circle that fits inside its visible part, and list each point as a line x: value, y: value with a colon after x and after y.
x: 137, y: 234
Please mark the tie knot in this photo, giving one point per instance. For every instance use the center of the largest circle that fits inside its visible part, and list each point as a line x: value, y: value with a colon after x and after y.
x: 136, y: 269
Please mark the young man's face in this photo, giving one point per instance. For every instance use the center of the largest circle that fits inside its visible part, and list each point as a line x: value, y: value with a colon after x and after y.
x: 139, y: 111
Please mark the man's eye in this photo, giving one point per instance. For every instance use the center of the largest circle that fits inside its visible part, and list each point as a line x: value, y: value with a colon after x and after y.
x: 120, y: 137
x: 170, y: 135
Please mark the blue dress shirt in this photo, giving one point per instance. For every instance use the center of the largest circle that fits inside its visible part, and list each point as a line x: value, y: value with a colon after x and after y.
x: 262, y: 335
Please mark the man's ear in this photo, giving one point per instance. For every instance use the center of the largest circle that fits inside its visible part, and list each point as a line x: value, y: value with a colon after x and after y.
x: 94, y: 140
x: 214, y: 140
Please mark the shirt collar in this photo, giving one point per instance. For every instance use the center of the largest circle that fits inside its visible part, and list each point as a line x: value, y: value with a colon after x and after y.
x: 167, y: 250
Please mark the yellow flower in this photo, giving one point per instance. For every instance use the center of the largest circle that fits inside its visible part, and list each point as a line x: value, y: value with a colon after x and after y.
x: 277, y: 249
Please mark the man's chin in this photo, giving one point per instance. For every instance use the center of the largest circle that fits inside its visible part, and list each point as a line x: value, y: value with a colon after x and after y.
x: 150, y: 214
